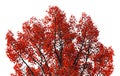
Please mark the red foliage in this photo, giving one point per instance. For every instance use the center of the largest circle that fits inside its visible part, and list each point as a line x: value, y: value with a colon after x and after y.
x: 57, y: 47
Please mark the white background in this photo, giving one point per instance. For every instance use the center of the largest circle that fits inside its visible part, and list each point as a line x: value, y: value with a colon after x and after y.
x: 104, y: 13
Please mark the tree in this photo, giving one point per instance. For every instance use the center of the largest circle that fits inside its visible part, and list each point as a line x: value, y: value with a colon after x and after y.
x: 54, y: 46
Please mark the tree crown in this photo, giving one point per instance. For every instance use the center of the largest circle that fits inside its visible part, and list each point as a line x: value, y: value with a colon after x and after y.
x: 54, y: 46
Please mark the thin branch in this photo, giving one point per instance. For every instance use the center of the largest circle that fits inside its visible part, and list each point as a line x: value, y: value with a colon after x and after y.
x: 86, y: 59
x: 37, y: 63
x: 45, y: 60
x: 55, y: 51
x: 61, y: 45
x: 23, y: 61
x: 27, y: 65
x: 76, y: 59
x: 40, y: 66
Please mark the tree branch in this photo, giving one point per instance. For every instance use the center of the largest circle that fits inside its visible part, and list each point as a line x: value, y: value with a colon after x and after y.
x: 27, y: 65
x: 76, y: 59
x: 61, y: 45
x: 55, y: 51
x: 45, y: 60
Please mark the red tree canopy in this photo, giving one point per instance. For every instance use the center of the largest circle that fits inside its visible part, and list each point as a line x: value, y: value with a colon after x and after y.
x: 54, y: 46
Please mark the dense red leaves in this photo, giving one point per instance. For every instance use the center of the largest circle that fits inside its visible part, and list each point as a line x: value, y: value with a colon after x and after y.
x: 54, y: 46
x: 11, y: 43
x: 103, y: 60
x: 17, y: 70
x: 36, y: 71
